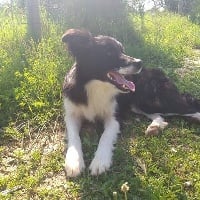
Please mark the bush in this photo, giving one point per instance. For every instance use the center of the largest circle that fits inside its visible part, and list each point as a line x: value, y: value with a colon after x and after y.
x: 39, y: 93
x: 13, y: 30
x: 31, y: 74
x: 105, y: 17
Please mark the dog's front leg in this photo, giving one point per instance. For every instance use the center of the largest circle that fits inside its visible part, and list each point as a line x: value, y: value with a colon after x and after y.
x: 74, y: 162
x: 103, y: 156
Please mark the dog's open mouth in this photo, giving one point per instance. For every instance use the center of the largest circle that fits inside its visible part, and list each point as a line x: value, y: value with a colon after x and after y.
x: 120, y: 82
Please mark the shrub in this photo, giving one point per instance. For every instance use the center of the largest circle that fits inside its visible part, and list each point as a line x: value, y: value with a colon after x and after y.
x: 31, y: 74
x: 39, y: 94
x: 13, y: 30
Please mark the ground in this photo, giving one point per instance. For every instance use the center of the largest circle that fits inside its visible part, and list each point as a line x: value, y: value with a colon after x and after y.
x: 162, y: 167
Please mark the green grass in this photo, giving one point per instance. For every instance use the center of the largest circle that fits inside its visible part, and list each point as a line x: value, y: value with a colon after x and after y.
x: 164, y: 39
x: 154, y: 167
x: 32, y: 144
x: 11, y: 59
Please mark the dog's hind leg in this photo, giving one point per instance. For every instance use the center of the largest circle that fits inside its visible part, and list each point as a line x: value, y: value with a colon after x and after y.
x: 157, y: 124
x: 195, y: 116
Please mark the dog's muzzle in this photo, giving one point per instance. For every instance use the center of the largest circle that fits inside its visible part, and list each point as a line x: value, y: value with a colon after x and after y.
x: 120, y: 81
x: 129, y: 66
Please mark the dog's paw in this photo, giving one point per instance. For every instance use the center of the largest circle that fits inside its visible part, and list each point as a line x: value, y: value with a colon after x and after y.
x: 152, y: 130
x: 74, y: 163
x: 100, y: 164
x: 155, y: 128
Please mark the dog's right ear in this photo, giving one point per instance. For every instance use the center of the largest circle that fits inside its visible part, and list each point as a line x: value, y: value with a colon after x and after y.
x: 77, y: 40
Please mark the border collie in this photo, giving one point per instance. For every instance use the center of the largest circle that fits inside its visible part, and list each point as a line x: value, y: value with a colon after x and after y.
x: 103, y: 82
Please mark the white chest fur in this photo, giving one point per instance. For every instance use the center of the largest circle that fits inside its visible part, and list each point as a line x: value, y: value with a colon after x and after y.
x: 101, y: 101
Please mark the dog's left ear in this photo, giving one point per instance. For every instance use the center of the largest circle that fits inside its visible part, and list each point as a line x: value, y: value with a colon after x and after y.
x: 77, y: 40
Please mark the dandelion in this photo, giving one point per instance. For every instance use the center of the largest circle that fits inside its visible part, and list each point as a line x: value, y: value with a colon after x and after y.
x: 125, y: 189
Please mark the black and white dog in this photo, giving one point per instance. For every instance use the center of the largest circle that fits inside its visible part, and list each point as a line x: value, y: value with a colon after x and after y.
x: 104, y: 81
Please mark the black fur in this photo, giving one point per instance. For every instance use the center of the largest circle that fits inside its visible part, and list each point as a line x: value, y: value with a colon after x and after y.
x: 156, y: 93
x: 95, y: 56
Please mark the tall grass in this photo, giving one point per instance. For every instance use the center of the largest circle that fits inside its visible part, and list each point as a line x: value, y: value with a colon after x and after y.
x: 165, y: 39
x: 31, y: 74
x: 12, y: 34
x: 39, y: 92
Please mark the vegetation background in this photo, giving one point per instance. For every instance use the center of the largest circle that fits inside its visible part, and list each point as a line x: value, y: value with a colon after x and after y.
x: 33, y: 63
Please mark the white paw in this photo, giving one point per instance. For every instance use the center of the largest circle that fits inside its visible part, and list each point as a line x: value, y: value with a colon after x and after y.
x: 155, y: 128
x: 100, y: 164
x: 74, y: 163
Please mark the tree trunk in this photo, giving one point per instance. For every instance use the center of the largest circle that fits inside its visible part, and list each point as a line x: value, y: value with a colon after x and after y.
x: 33, y: 19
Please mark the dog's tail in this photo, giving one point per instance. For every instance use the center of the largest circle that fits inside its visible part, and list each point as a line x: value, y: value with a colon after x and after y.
x: 194, y: 102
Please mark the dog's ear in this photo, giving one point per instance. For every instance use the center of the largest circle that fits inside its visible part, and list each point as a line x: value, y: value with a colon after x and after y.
x: 77, y: 40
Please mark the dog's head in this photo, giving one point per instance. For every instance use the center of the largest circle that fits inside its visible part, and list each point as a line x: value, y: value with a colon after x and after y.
x: 101, y: 58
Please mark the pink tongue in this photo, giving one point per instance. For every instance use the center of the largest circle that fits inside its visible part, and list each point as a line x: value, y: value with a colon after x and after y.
x: 122, y: 81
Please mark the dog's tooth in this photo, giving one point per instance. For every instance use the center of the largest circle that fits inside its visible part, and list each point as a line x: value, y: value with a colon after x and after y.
x: 109, y: 76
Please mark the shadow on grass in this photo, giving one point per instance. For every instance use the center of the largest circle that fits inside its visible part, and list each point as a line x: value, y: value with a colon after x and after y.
x: 122, y: 170
x: 147, y: 177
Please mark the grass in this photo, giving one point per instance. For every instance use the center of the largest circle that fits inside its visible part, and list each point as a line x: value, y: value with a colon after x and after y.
x: 164, y: 39
x: 32, y: 144
x: 163, y: 167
